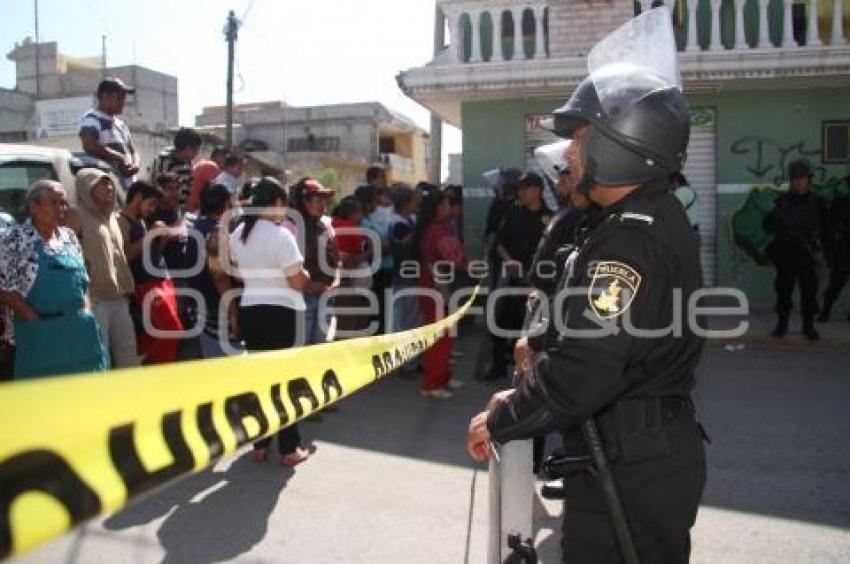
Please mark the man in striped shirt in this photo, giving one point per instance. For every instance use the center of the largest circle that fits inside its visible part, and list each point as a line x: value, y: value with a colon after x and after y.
x: 105, y: 136
x: 178, y: 161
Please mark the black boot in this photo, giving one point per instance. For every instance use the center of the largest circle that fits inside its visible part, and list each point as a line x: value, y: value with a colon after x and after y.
x: 809, y: 329
x: 781, y: 326
x: 824, y: 313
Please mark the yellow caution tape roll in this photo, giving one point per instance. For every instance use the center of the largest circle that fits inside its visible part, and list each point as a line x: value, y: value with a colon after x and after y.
x: 75, y: 447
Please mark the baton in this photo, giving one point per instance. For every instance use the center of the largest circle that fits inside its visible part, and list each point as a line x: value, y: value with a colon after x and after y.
x: 609, y: 491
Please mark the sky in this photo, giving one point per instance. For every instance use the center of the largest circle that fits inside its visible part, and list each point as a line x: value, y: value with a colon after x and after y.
x: 306, y: 52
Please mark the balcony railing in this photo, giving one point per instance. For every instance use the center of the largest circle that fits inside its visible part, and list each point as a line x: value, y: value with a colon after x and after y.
x: 510, y: 30
x: 496, y: 31
x: 754, y: 24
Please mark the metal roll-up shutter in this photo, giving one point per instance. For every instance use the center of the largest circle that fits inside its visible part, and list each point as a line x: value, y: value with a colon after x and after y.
x: 701, y: 172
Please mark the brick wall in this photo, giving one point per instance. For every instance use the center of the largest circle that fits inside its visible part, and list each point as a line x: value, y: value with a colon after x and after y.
x: 576, y: 25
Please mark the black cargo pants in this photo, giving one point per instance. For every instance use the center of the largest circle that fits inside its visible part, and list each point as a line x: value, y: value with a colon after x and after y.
x: 660, y: 497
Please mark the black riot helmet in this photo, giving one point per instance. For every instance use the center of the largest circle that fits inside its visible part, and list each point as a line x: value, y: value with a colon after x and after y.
x: 638, y: 117
x: 800, y: 168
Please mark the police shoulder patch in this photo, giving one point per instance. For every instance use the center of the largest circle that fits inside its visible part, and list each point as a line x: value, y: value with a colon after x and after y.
x: 612, y: 289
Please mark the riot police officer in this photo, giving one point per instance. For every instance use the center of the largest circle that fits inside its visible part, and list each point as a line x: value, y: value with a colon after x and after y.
x: 798, y: 223
x: 630, y: 128
x: 504, y: 200
x: 547, y: 266
x: 516, y: 243
x: 839, y: 219
x: 575, y: 208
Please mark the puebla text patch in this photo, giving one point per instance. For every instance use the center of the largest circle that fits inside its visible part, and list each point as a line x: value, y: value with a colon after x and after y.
x: 613, y: 288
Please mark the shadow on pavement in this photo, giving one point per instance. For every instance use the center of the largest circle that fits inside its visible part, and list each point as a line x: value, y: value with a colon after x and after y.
x: 779, y: 427
x: 230, y: 520
x: 221, y: 524
x: 162, y: 502
x: 390, y: 416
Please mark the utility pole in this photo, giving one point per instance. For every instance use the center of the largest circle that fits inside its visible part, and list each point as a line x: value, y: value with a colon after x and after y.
x: 37, y: 56
x: 436, y: 124
x: 103, y: 55
x: 230, y: 34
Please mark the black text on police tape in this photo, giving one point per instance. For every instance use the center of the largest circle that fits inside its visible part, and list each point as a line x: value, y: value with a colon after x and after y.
x: 46, y: 471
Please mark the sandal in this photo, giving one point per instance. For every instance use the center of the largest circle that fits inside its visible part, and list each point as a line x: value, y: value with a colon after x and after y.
x: 295, y: 458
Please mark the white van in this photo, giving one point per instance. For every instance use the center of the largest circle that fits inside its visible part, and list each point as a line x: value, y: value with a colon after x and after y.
x: 21, y: 165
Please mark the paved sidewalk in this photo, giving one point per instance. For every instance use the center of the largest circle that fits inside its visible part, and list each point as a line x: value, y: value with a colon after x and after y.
x: 391, y: 481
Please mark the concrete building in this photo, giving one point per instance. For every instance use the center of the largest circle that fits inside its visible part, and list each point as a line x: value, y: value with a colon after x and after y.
x: 53, y: 90
x: 341, y: 140
x: 16, y: 109
x: 766, y: 84
x: 455, y: 169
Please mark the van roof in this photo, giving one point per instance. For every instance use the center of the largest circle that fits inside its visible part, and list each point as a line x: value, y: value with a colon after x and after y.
x: 34, y: 152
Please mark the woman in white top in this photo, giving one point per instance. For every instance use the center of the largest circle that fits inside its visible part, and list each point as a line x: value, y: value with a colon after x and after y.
x: 271, y: 266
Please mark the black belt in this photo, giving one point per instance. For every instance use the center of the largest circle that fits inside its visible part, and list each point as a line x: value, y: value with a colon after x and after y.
x: 57, y: 314
x: 649, y: 409
x: 51, y: 315
x: 646, y: 412
x: 634, y: 427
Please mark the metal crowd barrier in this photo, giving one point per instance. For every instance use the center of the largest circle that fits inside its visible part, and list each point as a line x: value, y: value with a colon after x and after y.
x: 511, y: 504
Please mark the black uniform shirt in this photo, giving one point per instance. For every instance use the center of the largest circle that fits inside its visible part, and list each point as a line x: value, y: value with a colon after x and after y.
x: 496, y: 214
x: 631, y: 259
x: 799, y: 221
x: 561, y: 231
x: 521, y: 232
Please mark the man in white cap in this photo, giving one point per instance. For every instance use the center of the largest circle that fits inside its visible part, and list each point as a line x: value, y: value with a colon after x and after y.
x: 105, y: 136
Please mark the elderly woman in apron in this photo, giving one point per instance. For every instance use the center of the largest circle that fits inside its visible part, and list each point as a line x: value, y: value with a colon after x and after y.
x: 43, y: 281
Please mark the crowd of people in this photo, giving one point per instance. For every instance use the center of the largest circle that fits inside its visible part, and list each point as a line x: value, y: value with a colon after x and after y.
x: 198, y: 261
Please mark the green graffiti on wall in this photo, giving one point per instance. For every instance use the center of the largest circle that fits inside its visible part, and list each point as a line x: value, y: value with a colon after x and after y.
x: 702, y: 117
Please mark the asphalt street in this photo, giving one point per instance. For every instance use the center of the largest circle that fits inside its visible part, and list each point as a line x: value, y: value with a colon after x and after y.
x: 390, y: 481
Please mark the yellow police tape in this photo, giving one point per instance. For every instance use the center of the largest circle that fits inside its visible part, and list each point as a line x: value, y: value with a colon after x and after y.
x: 73, y: 448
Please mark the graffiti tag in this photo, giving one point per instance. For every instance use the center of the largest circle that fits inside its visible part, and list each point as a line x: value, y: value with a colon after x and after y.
x: 769, y: 157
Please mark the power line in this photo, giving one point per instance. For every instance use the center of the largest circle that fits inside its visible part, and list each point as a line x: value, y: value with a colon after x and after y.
x: 99, y: 13
x: 260, y: 54
x: 246, y: 12
x: 239, y: 76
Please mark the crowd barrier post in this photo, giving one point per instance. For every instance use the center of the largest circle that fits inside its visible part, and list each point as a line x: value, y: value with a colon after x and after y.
x: 511, y: 499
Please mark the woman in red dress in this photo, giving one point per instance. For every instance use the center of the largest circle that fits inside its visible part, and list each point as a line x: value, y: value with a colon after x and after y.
x: 437, y: 243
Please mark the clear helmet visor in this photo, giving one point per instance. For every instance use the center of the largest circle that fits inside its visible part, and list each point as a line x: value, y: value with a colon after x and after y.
x: 493, y: 177
x: 552, y: 159
x: 636, y: 59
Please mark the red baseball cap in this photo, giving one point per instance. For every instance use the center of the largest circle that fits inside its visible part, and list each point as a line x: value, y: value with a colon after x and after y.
x: 312, y: 187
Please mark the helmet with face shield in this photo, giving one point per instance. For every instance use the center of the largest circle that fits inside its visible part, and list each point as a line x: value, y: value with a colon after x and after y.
x: 552, y: 159
x: 633, y: 102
